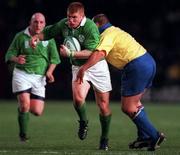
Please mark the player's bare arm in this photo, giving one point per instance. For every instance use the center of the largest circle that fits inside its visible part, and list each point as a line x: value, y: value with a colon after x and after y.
x: 19, y: 59
x: 93, y: 59
x: 49, y: 73
x: 83, y: 54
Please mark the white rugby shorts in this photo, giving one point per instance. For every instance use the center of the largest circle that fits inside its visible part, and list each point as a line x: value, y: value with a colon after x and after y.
x: 98, y: 75
x: 22, y: 81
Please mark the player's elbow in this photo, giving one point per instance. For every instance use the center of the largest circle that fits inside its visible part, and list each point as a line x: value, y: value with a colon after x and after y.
x: 100, y: 54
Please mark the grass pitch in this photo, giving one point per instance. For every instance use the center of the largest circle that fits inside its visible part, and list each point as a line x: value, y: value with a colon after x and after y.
x: 56, y: 131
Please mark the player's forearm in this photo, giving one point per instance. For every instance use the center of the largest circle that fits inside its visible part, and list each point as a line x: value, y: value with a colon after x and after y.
x: 14, y: 59
x: 51, y: 68
x: 93, y: 59
x: 84, y: 54
x: 18, y: 59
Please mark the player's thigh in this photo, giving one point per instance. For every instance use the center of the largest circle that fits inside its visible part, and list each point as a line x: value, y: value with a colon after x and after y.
x: 38, y: 86
x: 80, y: 90
x: 99, y: 76
x: 37, y: 106
x: 21, y: 81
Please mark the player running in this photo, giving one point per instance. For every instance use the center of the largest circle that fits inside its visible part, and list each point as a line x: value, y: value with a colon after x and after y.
x: 32, y: 66
x: 85, y: 31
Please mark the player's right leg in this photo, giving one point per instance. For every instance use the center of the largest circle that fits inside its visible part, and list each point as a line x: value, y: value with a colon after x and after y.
x: 23, y: 114
x: 79, y: 94
x: 22, y: 88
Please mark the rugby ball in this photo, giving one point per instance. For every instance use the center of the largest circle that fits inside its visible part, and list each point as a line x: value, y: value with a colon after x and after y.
x: 72, y: 43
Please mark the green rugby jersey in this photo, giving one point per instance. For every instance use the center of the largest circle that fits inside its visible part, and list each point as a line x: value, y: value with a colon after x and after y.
x: 87, y: 34
x: 38, y: 59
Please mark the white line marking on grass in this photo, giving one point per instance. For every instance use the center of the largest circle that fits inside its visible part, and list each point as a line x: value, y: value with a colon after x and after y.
x: 41, y: 152
x: 47, y: 152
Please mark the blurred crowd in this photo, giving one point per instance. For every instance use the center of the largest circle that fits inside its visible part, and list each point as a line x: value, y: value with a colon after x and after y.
x: 155, y: 24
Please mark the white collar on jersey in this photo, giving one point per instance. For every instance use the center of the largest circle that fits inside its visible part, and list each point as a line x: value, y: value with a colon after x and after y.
x: 26, y: 31
x: 83, y: 21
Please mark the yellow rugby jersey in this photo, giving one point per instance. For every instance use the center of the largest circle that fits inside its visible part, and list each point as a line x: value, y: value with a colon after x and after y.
x: 120, y: 47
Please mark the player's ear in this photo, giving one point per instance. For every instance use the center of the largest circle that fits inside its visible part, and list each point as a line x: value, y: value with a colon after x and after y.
x: 97, y: 24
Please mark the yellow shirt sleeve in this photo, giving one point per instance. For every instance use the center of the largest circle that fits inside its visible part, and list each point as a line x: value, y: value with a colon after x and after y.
x: 120, y: 47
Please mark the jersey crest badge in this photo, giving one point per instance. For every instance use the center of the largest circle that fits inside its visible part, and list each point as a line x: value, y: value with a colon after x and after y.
x: 45, y: 43
x: 26, y: 44
x: 81, y: 38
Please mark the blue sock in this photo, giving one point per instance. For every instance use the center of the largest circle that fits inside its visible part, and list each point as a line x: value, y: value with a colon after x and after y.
x: 141, y: 134
x: 144, y: 125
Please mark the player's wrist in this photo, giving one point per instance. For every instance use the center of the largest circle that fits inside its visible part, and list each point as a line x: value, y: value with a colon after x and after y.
x: 72, y: 54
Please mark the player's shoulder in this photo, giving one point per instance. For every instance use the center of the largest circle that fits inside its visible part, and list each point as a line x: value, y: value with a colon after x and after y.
x: 63, y: 21
x: 90, y: 25
x: 51, y: 42
x: 19, y: 35
x: 89, y: 22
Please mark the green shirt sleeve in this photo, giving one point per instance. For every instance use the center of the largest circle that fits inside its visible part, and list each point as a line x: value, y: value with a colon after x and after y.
x: 54, y: 57
x: 54, y: 30
x: 92, y: 36
x: 13, y: 49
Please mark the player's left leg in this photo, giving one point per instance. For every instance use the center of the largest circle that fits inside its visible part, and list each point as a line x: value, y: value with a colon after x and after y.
x: 37, y: 96
x: 37, y: 107
x: 102, y: 100
x: 132, y: 107
x: 100, y: 78
x: 136, y: 78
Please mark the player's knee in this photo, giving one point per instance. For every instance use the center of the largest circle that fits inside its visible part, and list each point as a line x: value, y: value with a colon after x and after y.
x: 37, y: 113
x: 130, y: 111
x: 105, y: 109
x: 24, y: 108
x: 79, y: 100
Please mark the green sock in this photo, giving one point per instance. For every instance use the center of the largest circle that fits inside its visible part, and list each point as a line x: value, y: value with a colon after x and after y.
x: 23, y: 120
x: 105, y: 125
x: 81, y: 111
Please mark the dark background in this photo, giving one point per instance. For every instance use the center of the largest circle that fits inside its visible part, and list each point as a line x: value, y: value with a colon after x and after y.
x: 155, y: 24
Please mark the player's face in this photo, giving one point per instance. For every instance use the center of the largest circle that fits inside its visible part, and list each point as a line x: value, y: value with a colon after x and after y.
x: 74, y: 19
x: 37, y: 24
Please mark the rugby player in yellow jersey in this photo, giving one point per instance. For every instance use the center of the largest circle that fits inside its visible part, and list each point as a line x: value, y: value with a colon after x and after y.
x: 138, y: 70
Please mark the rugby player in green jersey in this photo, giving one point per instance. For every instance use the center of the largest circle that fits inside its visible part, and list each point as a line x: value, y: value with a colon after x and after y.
x: 32, y: 67
x: 85, y: 31
x: 138, y: 70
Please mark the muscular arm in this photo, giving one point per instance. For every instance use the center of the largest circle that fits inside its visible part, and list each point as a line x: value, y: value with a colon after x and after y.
x: 21, y: 59
x: 84, y: 54
x: 65, y: 52
x: 93, y: 59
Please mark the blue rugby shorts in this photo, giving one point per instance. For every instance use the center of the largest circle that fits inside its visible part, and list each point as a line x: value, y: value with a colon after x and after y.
x: 138, y: 75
